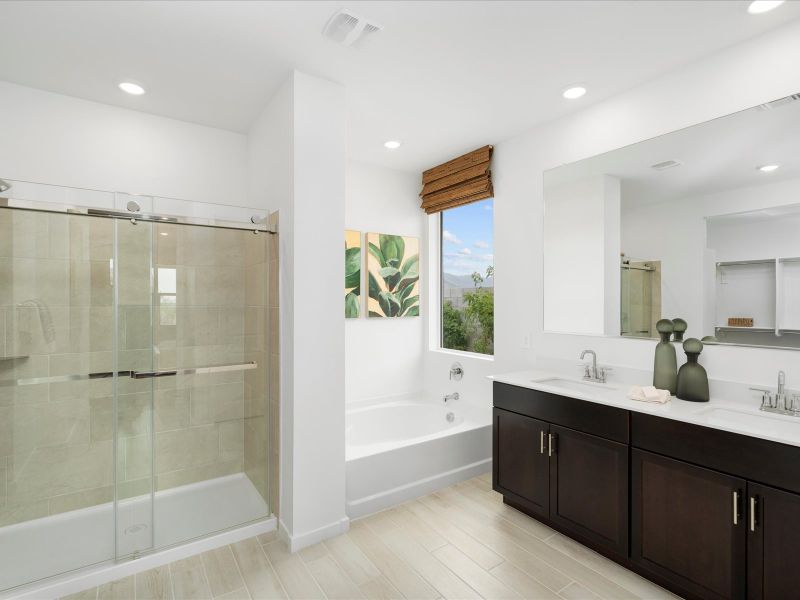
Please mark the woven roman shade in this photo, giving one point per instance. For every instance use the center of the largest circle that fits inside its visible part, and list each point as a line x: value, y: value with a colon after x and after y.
x: 459, y: 181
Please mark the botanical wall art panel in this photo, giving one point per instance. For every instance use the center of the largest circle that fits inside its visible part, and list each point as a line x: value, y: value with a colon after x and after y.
x: 352, y: 274
x: 392, y: 275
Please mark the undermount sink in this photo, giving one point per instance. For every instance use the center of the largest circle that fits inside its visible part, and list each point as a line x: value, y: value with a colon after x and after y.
x: 575, y: 386
x: 756, y: 421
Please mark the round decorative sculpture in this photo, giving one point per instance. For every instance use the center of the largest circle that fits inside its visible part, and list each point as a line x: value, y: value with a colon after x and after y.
x: 692, y: 378
x: 665, y: 365
x: 678, y: 329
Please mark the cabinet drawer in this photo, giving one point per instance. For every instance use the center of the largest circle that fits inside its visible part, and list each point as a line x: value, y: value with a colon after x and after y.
x: 748, y: 457
x: 603, y: 421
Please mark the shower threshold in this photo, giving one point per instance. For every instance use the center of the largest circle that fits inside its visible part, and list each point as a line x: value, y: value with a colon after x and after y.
x: 35, y: 550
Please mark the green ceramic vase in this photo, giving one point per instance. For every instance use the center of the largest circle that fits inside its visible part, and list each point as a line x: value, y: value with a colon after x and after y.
x: 665, y: 366
x: 692, y: 378
x: 678, y: 329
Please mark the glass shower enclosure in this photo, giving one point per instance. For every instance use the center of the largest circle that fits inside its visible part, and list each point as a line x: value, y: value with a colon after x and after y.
x: 133, y: 386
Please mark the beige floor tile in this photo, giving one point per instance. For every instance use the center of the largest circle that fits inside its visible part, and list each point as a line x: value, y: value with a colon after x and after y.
x: 292, y: 572
x: 221, y: 571
x: 401, y: 575
x: 575, y: 591
x: 423, y: 534
x: 522, y: 583
x: 617, y: 573
x: 154, y: 584
x: 500, y: 543
x: 352, y: 560
x: 439, y: 576
x: 483, y: 582
x: 259, y: 576
x: 313, y: 552
x: 478, y: 552
x: 121, y: 589
x: 189, y: 579
x: 266, y: 538
x: 380, y: 588
x: 240, y: 594
x: 332, y: 580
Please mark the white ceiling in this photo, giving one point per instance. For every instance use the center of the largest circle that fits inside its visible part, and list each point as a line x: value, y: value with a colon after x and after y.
x: 719, y: 155
x: 443, y: 77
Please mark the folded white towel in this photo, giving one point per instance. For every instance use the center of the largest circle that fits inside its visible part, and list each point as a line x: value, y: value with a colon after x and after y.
x: 649, y: 393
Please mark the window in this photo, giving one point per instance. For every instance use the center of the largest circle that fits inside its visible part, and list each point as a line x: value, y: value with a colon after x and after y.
x: 467, y: 271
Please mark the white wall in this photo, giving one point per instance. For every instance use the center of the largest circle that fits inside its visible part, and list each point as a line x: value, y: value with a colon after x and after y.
x: 55, y: 139
x: 581, y: 256
x: 383, y: 357
x: 297, y: 163
x: 732, y: 80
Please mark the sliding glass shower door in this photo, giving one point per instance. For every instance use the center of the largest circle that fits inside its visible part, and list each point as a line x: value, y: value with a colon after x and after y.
x: 133, y: 409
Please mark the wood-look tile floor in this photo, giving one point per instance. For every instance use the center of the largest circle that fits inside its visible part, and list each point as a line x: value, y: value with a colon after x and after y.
x: 460, y: 542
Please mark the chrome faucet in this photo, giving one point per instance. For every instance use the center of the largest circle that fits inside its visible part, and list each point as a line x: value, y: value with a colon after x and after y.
x: 449, y: 397
x: 593, y: 373
x: 780, y: 402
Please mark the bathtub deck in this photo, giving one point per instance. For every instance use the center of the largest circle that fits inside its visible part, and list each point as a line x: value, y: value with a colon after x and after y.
x: 460, y: 542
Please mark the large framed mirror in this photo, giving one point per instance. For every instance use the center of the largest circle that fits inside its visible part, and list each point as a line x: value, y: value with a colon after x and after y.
x: 702, y: 224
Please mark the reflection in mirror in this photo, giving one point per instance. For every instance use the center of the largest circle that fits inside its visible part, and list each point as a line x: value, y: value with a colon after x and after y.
x: 700, y: 224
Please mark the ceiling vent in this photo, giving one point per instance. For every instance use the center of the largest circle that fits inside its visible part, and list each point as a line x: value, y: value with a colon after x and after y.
x: 667, y: 164
x: 778, y: 103
x: 348, y: 29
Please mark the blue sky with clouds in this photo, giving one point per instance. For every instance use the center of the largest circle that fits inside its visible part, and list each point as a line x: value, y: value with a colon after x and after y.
x: 468, y: 244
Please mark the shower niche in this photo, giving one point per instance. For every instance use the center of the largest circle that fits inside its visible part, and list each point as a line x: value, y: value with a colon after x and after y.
x: 134, y: 382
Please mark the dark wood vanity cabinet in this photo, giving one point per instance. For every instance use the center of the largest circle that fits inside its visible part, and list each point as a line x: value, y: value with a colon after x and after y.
x: 688, y: 525
x: 773, y: 542
x: 544, y: 465
x: 589, y: 487
x: 706, y: 513
x: 521, y: 464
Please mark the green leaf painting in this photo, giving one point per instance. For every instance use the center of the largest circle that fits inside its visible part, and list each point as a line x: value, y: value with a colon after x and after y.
x: 392, y: 275
x: 352, y: 274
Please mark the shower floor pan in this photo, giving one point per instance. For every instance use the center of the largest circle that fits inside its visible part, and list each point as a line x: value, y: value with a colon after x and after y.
x: 49, y: 546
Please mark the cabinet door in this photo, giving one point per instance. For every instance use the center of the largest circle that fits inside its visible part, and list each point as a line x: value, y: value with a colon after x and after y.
x: 688, y: 525
x: 773, y: 543
x: 520, y: 465
x: 589, y: 487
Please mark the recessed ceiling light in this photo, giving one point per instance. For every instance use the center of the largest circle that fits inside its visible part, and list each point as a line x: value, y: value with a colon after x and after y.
x: 134, y: 89
x: 761, y: 6
x: 574, y: 92
x: 163, y: 233
x: 769, y: 168
x: 392, y: 144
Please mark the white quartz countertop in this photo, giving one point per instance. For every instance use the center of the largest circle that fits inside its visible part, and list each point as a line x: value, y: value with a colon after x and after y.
x: 719, y: 413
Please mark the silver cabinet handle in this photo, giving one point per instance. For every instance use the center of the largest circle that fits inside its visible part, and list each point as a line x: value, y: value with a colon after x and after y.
x: 195, y: 370
x: 735, y: 508
x: 752, y: 513
x: 550, y: 437
x: 541, y: 442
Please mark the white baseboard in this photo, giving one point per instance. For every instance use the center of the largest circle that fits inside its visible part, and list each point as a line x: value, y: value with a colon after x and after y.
x: 309, y: 538
x: 378, y: 502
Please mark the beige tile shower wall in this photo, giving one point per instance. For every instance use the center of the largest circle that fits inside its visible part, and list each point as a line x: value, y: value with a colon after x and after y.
x: 55, y: 308
x: 200, y: 317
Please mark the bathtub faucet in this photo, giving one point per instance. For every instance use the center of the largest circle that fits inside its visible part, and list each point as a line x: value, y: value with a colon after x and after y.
x: 449, y: 397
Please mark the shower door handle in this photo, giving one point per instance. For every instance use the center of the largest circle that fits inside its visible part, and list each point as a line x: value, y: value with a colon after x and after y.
x: 195, y: 370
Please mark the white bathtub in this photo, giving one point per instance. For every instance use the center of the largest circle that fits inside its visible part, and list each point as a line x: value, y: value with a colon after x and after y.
x: 401, y: 449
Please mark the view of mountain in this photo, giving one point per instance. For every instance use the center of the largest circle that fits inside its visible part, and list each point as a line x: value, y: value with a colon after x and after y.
x: 452, y: 280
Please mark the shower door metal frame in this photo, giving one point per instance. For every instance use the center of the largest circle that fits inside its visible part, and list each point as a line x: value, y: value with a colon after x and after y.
x: 36, y: 205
